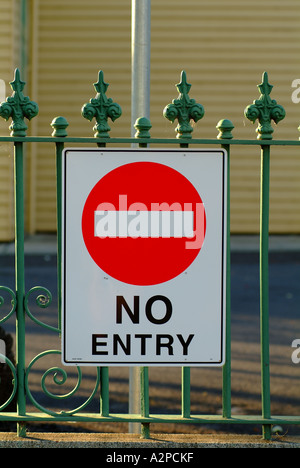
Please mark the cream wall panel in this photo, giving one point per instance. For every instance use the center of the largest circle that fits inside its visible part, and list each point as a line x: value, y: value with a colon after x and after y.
x: 9, y: 59
x: 72, y: 46
x: 224, y: 46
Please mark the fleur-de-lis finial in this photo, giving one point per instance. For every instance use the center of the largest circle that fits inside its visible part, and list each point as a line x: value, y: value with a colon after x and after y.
x: 17, y: 106
x: 264, y: 109
x: 265, y: 87
x: 101, y: 86
x: 183, y: 109
x: 101, y: 107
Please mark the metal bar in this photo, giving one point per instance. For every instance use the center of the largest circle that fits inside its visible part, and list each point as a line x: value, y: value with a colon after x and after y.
x: 185, y: 373
x: 149, y: 141
x: 59, y: 150
x: 225, y: 127
x: 104, y: 391
x: 154, y: 418
x: 186, y: 392
x: 24, y: 38
x: 227, y: 365
x: 59, y: 124
x: 144, y: 380
x: 104, y: 371
x: 140, y: 57
x: 264, y: 287
x: 20, y: 283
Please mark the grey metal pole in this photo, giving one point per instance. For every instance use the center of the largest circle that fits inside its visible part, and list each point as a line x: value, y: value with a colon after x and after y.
x: 24, y: 39
x: 140, y: 53
x: 140, y: 107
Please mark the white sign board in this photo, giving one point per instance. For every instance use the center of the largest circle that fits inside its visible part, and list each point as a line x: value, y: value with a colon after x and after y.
x: 143, y: 251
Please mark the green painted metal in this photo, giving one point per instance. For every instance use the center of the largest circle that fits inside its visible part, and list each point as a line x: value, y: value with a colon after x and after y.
x: 104, y: 391
x: 101, y: 108
x: 225, y: 128
x: 264, y: 286
x: 265, y: 109
x: 186, y: 392
x: 20, y: 280
x: 144, y: 382
x: 59, y: 125
x: 150, y: 141
x: 17, y: 107
x: 184, y: 109
x: 143, y: 127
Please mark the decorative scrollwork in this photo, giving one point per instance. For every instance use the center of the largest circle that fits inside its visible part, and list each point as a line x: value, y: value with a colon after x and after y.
x: 43, y: 301
x: 60, y: 377
x: 13, y: 302
x: 184, y: 109
x: 101, y: 107
x: 18, y: 107
x: 264, y: 109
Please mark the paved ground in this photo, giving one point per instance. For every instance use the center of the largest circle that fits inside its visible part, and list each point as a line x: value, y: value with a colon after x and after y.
x: 186, y: 446
x: 206, y: 384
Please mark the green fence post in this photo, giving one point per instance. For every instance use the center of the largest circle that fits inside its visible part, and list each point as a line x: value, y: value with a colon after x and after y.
x: 264, y: 287
x: 184, y: 109
x: 59, y: 125
x: 17, y: 107
x: 20, y: 284
x: 225, y: 127
x: 186, y: 392
x: 264, y: 110
x: 144, y: 383
x: 101, y: 108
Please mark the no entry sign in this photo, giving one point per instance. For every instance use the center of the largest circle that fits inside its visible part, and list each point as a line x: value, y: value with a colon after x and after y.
x: 142, y: 231
x: 143, y: 257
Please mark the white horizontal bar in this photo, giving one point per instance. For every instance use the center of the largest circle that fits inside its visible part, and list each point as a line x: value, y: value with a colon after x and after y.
x: 154, y: 224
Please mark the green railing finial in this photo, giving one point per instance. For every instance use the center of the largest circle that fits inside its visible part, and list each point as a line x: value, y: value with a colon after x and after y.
x: 264, y: 109
x: 183, y: 109
x: 225, y: 127
x: 17, y: 106
x: 59, y: 125
x: 101, y: 107
x: 142, y: 126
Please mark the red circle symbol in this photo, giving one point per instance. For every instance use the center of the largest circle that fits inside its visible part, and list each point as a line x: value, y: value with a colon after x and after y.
x: 143, y: 223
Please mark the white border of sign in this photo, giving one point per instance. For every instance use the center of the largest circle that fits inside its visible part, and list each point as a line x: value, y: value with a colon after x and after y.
x: 197, y: 295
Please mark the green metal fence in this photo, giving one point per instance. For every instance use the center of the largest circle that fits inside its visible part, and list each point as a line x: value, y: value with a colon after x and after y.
x: 184, y: 109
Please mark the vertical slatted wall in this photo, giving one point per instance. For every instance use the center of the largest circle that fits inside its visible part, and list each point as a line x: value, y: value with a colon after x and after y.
x: 223, y: 46
x: 9, y: 57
